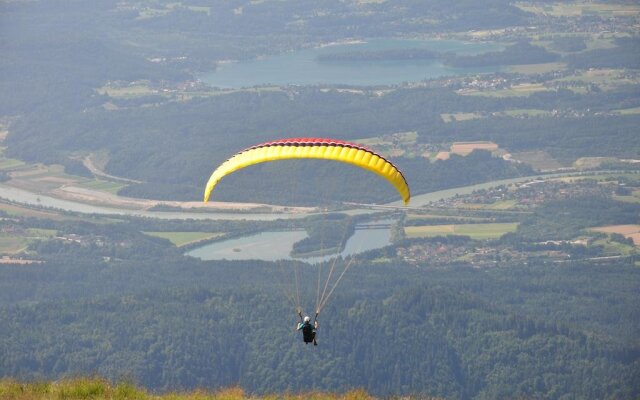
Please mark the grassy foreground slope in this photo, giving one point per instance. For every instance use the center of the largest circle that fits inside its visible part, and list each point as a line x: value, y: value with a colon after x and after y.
x: 98, y: 388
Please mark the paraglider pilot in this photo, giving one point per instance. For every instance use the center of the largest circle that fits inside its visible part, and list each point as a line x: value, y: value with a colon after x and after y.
x: 308, y: 330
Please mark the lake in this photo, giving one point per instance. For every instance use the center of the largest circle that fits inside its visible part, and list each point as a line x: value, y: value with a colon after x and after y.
x: 301, y: 67
x: 273, y: 246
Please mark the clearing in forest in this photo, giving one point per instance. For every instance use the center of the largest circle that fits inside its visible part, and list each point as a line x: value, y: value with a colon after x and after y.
x: 465, y: 148
x: 538, y: 160
x: 628, y: 231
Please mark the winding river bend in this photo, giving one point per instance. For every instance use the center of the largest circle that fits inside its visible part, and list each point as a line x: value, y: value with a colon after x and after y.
x: 269, y: 246
x: 24, y: 197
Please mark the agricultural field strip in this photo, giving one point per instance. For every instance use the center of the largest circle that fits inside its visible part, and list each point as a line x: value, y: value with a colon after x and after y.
x: 143, y: 90
x: 23, y: 211
x: 102, y: 185
x: 516, y: 112
x: 628, y: 111
x: 405, y: 142
x: 598, y: 177
x: 413, y: 217
x: 606, y: 79
x: 14, y: 243
x: 475, y: 231
x: 11, y: 244
x: 633, y: 198
x: 577, y: 9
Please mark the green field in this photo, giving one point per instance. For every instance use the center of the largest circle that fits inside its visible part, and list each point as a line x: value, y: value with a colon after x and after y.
x: 127, y: 92
x: 597, y: 41
x: 614, y: 248
x: 634, y: 197
x: 102, y: 185
x: 407, y: 138
x: 21, y: 211
x: 592, y: 42
x: 15, y: 243
x: 39, y: 233
x: 628, y: 111
x: 539, y: 160
x: 532, y: 69
x: 10, y: 163
x: 501, y: 205
x: 461, y: 116
x: 514, y: 91
x: 414, y: 217
x: 143, y: 89
x: 475, y: 231
x: 394, y: 145
x: 10, y: 244
x: 183, y: 238
x: 600, y: 177
x: 579, y: 8
x: 604, y: 78
x: 526, y: 112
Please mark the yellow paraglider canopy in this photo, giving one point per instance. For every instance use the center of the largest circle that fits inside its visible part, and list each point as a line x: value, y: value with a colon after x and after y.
x: 318, y: 148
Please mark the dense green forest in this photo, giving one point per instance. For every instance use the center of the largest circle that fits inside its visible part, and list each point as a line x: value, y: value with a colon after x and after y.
x: 123, y: 304
x: 446, y: 335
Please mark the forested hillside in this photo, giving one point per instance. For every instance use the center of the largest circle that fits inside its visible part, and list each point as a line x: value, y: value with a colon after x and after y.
x: 170, y: 130
x: 120, y: 303
x: 175, y: 147
x: 422, y: 339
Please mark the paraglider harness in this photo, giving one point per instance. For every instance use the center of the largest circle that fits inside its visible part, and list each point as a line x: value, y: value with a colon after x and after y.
x: 309, y: 330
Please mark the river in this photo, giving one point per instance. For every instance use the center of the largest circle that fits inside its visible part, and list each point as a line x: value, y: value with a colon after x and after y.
x: 269, y: 246
x: 21, y: 196
x: 301, y: 67
x: 274, y: 246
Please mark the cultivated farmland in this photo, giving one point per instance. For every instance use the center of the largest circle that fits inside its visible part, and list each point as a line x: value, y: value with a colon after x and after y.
x: 475, y: 231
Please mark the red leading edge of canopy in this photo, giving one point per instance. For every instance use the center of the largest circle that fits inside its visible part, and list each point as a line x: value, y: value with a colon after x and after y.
x: 311, y: 141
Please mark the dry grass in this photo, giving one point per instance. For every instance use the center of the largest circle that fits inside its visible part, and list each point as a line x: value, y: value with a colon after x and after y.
x: 98, y: 389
